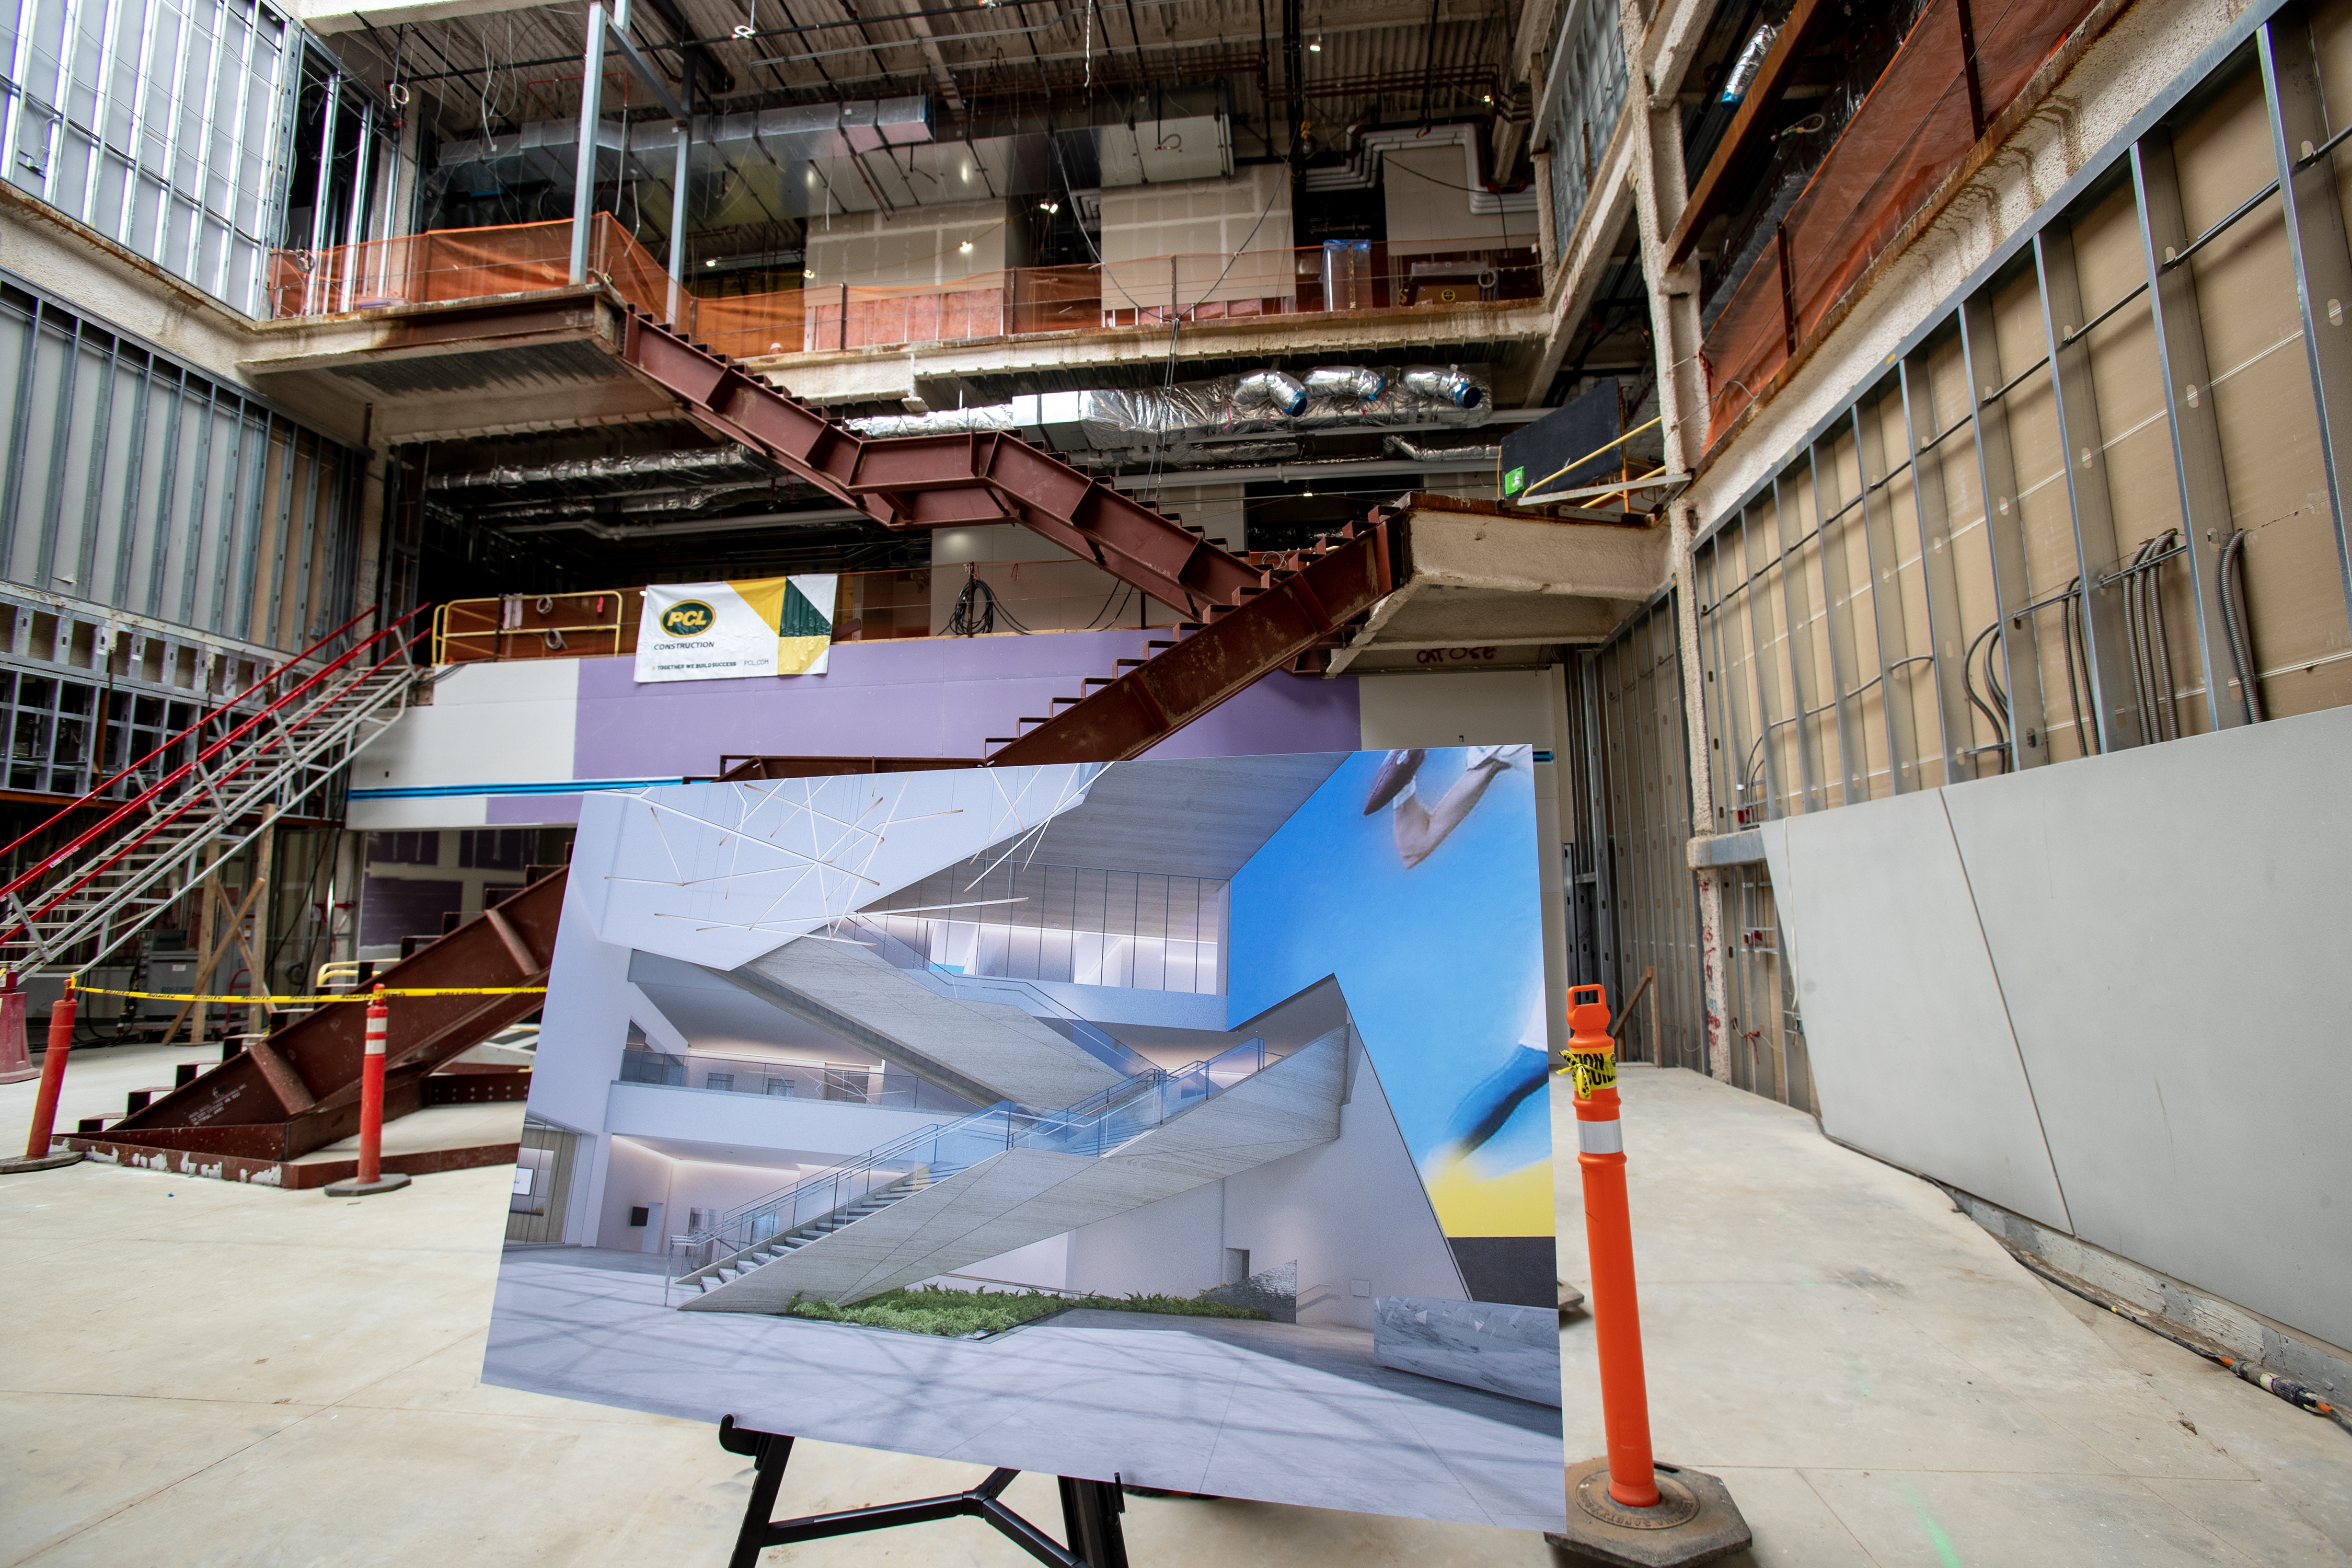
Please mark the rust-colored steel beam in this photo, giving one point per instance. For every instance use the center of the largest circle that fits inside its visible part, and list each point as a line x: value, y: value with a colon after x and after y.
x: 1133, y: 713
x: 945, y: 482
x: 733, y: 769
x: 299, y: 1090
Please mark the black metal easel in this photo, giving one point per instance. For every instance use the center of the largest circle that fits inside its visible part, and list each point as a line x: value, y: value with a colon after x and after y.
x: 1090, y: 1510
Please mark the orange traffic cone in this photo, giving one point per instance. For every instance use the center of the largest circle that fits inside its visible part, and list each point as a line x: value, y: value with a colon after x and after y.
x: 1625, y: 1509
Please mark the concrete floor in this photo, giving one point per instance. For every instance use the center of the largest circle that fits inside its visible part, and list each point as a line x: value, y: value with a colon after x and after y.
x: 202, y: 1373
x: 1289, y: 1413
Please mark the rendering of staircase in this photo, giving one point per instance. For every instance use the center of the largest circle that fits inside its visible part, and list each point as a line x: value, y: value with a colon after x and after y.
x: 741, y: 1263
x: 984, y: 1051
x: 203, y: 795
x: 949, y: 1197
x: 1247, y: 615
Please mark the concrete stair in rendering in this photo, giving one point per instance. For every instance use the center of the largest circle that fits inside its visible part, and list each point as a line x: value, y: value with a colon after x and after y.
x: 984, y: 1051
x: 731, y: 1270
x: 1024, y: 1195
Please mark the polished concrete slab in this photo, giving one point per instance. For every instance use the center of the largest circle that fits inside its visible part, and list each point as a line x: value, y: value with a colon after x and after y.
x: 1278, y: 1411
x: 196, y: 1372
x: 1880, y: 1383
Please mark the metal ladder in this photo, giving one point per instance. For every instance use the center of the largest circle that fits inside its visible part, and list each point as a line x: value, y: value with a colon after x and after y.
x: 245, y: 765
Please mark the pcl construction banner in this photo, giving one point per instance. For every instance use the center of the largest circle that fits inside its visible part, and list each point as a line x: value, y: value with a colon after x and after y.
x: 721, y: 631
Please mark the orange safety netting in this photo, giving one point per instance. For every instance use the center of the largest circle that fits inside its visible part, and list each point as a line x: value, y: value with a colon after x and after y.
x: 1911, y: 132
x: 453, y: 264
x: 449, y: 265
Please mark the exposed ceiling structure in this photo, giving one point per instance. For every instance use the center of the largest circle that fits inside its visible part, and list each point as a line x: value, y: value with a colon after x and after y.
x: 495, y: 70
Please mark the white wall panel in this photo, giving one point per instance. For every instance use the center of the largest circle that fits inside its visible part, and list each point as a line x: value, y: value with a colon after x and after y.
x: 1912, y: 1054
x: 2168, y: 929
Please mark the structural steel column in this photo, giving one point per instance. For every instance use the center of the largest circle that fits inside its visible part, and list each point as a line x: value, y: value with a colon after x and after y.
x: 591, y: 112
x: 2316, y: 240
x: 1658, y: 196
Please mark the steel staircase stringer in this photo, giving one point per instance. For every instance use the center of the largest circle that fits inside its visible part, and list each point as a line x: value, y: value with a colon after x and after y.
x: 941, y: 481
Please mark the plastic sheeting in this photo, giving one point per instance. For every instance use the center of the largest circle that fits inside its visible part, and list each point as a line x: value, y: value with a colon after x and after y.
x: 1911, y: 132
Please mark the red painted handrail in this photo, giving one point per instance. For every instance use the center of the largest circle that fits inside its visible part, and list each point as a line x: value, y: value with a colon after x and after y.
x: 216, y: 710
x: 179, y: 774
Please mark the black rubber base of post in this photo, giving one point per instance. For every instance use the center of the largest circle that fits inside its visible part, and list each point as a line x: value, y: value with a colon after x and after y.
x: 390, y: 1182
x: 1694, y: 1521
x: 40, y: 1161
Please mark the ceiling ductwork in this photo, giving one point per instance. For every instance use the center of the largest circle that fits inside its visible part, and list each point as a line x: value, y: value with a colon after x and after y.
x: 1200, y: 418
x: 714, y: 467
x: 800, y: 161
x: 1367, y: 146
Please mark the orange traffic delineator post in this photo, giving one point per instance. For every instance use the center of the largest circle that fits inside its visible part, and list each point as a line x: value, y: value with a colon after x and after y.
x: 15, y: 1059
x: 1625, y: 1509
x: 369, y: 1177
x: 38, y: 1154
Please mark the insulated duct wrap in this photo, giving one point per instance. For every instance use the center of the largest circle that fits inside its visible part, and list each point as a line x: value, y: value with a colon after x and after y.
x: 939, y: 422
x: 1200, y: 413
x: 1344, y: 381
x: 1450, y: 384
x: 1272, y: 389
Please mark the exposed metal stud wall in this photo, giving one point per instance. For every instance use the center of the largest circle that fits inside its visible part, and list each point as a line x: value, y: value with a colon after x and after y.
x: 1649, y: 911
x: 2118, y: 381
x: 1762, y: 1024
x: 158, y: 123
x: 129, y: 482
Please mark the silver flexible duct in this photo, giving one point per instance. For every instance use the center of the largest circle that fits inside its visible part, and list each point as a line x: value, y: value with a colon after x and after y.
x: 1273, y: 389
x: 1338, y: 381
x: 1449, y: 384
x: 1423, y: 452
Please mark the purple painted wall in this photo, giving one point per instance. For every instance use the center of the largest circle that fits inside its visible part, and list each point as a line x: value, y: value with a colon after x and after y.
x: 932, y: 697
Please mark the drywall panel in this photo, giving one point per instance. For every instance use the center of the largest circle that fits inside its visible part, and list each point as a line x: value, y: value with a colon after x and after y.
x: 2167, y: 928
x: 1485, y: 707
x: 486, y: 724
x: 1911, y: 1050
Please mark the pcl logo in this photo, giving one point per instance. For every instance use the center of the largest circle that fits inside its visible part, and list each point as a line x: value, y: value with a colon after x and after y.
x: 688, y: 618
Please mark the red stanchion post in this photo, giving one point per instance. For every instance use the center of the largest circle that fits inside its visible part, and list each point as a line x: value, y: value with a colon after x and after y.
x: 369, y: 1177
x: 16, y: 1057
x: 37, y: 1156
x: 1624, y: 1508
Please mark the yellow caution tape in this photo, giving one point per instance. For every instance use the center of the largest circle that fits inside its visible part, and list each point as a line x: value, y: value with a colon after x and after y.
x: 331, y: 997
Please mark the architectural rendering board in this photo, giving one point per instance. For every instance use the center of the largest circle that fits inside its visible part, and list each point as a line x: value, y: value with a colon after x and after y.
x: 1179, y: 1120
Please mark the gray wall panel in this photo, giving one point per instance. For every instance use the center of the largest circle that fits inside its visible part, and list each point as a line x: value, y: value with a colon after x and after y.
x: 2168, y: 929
x: 1912, y: 1054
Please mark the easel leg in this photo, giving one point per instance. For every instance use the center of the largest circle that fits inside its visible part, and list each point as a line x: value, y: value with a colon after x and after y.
x: 1090, y: 1511
x: 769, y: 1452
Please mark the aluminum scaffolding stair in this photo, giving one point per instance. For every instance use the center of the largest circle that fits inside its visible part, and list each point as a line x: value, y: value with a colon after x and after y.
x: 1247, y: 617
x: 202, y: 795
